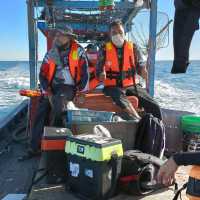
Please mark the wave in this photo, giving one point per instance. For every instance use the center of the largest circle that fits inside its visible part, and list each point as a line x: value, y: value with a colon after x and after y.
x: 172, y: 97
x: 179, y: 92
x: 13, y: 77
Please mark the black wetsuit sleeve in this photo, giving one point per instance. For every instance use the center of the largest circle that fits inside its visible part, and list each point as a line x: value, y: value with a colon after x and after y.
x: 187, y: 158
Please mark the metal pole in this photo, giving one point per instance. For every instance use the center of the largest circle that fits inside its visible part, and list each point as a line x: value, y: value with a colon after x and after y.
x: 32, y: 44
x: 152, y: 46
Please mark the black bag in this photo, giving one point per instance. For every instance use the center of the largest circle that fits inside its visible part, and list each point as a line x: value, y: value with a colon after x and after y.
x: 138, y: 173
x: 150, y: 136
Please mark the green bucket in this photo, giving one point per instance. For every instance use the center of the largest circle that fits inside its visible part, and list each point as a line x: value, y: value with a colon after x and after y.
x: 190, y: 124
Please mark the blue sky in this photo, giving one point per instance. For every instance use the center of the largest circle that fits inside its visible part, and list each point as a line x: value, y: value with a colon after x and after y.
x: 14, y: 37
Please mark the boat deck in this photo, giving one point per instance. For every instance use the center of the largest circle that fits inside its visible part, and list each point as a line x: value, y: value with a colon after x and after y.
x: 17, y: 177
x: 44, y: 191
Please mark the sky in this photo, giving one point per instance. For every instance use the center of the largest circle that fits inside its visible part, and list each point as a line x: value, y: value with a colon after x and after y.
x: 14, y: 36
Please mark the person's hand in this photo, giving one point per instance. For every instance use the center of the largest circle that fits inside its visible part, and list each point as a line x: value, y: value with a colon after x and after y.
x: 102, y: 76
x: 166, y: 174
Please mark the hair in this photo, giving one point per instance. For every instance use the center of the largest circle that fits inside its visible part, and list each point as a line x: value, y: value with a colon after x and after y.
x: 116, y: 22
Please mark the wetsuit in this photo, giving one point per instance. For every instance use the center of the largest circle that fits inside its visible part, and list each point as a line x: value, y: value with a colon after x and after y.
x: 187, y: 158
x: 186, y: 22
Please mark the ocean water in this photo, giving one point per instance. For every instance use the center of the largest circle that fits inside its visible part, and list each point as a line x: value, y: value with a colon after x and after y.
x: 179, y: 92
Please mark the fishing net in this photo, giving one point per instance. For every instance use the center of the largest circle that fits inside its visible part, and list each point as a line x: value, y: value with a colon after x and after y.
x: 140, y: 31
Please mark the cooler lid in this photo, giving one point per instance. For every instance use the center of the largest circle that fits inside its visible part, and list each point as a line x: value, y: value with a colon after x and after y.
x: 52, y: 133
x: 93, y: 140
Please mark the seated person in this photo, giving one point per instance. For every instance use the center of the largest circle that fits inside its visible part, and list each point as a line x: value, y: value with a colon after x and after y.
x: 62, y: 74
x: 92, y: 56
x: 119, y: 60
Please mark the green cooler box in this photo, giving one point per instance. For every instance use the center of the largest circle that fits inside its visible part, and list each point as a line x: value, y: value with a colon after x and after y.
x: 93, y: 164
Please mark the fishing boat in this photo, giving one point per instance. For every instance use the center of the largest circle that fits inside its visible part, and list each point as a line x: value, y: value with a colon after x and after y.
x: 91, y: 24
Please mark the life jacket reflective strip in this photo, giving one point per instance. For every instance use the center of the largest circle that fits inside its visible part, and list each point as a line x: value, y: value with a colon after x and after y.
x: 74, y: 65
x: 112, y: 68
x: 93, y: 82
x: 194, y: 177
x: 52, y: 67
x: 75, y: 69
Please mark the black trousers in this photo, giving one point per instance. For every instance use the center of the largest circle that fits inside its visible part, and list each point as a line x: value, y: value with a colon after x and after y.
x: 186, y: 22
x: 145, y: 100
x: 41, y: 120
x: 55, y: 106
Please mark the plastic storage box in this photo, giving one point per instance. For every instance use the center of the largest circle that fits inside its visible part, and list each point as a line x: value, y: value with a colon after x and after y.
x: 94, y: 165
x: 89, y: 116
x: 53, y: 149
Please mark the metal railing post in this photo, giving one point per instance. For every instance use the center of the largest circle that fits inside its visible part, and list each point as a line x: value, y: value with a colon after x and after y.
x: 152, y: 46
x: 32, y: 44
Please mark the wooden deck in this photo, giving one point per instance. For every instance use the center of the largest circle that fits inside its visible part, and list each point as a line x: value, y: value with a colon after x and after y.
x: 44, y: 191
x: 16, y: 177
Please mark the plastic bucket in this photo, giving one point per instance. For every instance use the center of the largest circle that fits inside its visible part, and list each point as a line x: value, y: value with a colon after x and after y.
x: 190, y: 125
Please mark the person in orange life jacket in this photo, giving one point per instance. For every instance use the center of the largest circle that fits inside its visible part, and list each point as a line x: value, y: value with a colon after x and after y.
x: 118, y: 63
x: 62, y: 74
x: 92, y: 56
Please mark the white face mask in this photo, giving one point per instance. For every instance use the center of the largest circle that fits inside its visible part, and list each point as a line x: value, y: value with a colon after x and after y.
x: 118, y: 40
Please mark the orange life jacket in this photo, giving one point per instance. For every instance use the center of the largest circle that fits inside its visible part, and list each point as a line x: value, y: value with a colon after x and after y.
x: 74, y: 65
x: 115, y: 76
x: 193, y: 185
x: 94, y: 82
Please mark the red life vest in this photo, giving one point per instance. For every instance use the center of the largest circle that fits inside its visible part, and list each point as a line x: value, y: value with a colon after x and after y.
x: 113, y: 73
x: 94, y: 82
x: 49, y: 67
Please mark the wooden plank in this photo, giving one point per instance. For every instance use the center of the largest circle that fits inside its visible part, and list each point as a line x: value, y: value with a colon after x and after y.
x: 44, y: 191
x: 58, y: 192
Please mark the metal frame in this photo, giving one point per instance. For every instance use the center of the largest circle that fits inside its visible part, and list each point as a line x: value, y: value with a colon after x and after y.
x: 82, y: 5
x: 152, y: 47
x: 76, y: 26
x: 32, y: 44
